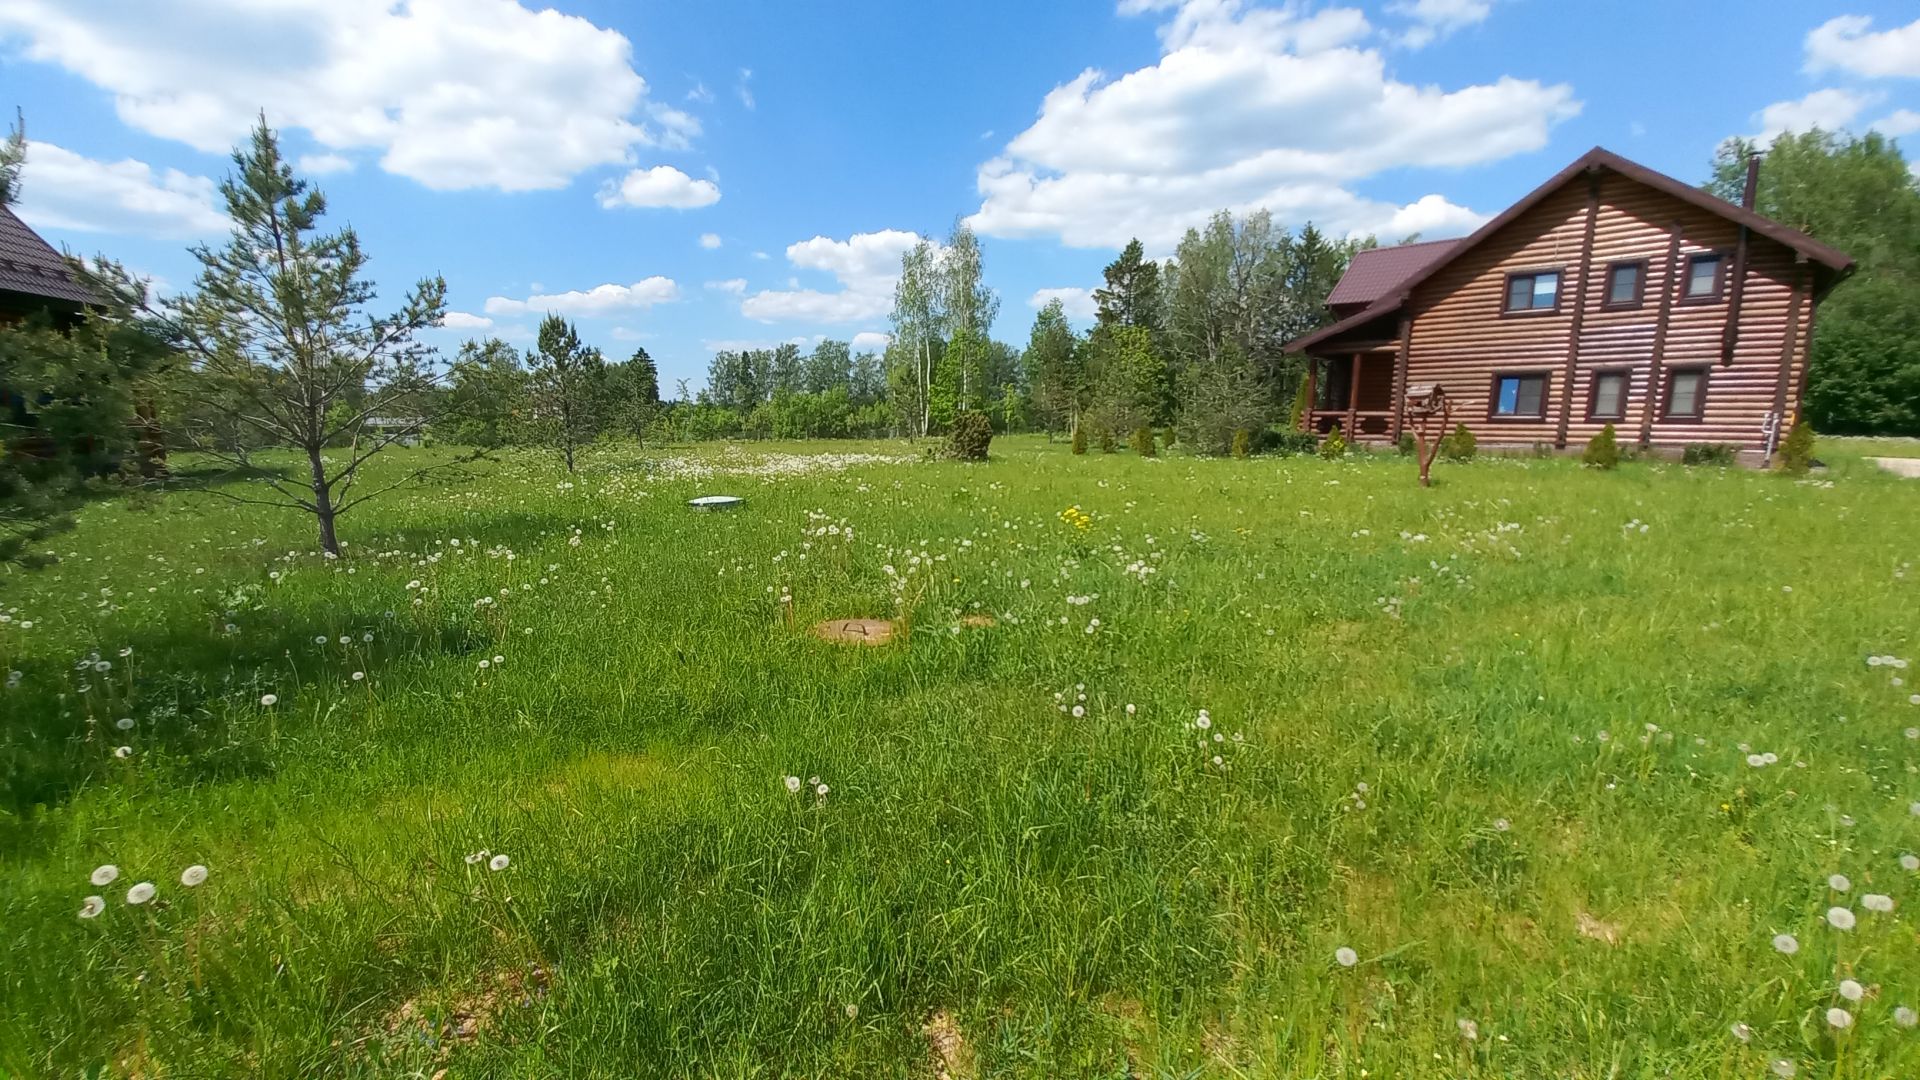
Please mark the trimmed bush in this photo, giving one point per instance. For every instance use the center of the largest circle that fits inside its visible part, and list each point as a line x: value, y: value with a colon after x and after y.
x: 1143, y: 441
x: 971, y: 433
x: 1796, y: 454
x: 1079, y: 438
x: 1407, y: 446
x: 1710, y: 453
x: 1603, y: 450
x: 1459, y: 444
x: 1334, y: 445
x: 1242, y: 443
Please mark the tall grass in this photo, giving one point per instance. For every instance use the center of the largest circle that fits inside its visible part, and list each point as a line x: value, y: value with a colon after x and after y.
x: 1492, y: 736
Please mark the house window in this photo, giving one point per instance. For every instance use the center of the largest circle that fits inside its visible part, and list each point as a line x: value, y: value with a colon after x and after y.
x: 1686, y: 393
x: 1536, y: 291
x: 1520, y: 397
x: 1625, y: 283
x: 1609, y: 396
x: 1704, y: 273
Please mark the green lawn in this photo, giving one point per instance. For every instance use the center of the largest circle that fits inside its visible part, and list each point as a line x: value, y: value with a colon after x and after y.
x: 1493, y: 737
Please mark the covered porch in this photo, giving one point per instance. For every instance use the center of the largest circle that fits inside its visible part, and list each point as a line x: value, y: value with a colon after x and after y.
x: 1355, y: 391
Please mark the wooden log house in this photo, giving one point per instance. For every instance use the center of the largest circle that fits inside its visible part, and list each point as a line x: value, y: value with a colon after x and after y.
x: 1609, y: 294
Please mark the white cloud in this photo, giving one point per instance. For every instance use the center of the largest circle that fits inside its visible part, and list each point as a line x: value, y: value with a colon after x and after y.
x: 1828, y: 110
x: 747, y: 344
x: 742, y: 88
x: 1245, y: 109
x: 64, y: 190
x: 736, y: 286
x: 1897, y: 123
x: 866, y: 265
x: 871, y: 341
x: 662, y: 185
x: 1430, y: 216
x: 700, y: 93
x: 1079, y: 303
x: 1848, y: 43
x: 451, y: 93
x: 762, y: 256
x: 461, y: 320
x: 323, y: 164
x: 599, y: 300
x: 710, y: 241
x: 1436, y: 19
x: 628, y: 333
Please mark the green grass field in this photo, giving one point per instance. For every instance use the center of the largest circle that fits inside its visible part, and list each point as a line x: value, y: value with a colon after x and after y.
x: 1494, y: 738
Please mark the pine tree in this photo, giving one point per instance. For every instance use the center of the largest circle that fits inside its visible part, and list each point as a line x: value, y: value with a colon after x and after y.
x: 284, y: 350
x: 567, y: 381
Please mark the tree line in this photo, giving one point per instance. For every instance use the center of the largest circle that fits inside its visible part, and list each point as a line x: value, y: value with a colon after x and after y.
x: 276, y: 346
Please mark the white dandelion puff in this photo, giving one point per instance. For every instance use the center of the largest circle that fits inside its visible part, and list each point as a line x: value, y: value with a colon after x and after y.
x: 821, y: 790
x: 1852, y: 990
x: 193, y: 875
x: 1468, y: 1029
x: 1910, y: 862
x: 1840, y: 918
x: 1784, y: 1069
x: 92, y: 906
x: 1905, y: 1017
x: 123, y: 751
x: 269, y: 700
x: 140, y: 893
x: 793, y: 784
x: 1839, y: 883
x: 473, y: 858
x: 1345, y: 956
x: 499, y: 862
x: 105, y: 874
x: 1742, y: 1032
x: 1878, y: 902
x: 1839, y: 1018
x: 1786, y: 944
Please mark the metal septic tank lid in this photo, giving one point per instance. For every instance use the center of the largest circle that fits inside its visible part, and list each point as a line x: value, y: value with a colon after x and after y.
x: 716, y: 502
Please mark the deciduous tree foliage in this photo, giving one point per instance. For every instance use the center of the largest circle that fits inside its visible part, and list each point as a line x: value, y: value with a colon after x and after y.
x: 1858, y: 195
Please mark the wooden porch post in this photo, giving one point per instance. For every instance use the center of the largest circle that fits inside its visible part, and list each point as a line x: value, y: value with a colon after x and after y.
x: 1353, y: 398
x: 1401, y: 359
x: 1571, y: 371
x: 1668, y: 286
x: 1790, y: 348
x: 1313, y: 391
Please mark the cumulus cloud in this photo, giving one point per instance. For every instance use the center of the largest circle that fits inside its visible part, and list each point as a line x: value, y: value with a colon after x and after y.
x: 322, y: 164
x: 1077, y: 302
x: 662, y: 185
x: 736, y: 286
x: 461, y: 320
x: 710, y: 241
x: 1849, y: 43
x: 871, y: 341
x: 64, y: 190
x: 865, y: 265
x: 599, y: 300
x: 451, y: 93
x: 1829, y: 110
x: 1245, y: 108
x: 1897, y: 123
x: 1435, y: 19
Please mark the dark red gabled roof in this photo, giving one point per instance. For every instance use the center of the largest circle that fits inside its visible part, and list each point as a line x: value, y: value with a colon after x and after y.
x: 30, y: 266
x: 1825, y: 255
x: 1373, y: 273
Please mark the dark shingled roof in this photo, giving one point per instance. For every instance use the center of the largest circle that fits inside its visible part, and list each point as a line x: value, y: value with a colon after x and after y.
x: 1373, y: 273
x: 29, y: 265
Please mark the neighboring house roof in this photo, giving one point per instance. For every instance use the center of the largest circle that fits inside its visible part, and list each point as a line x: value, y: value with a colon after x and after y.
x: 1598, y: 157
x: 1374, y: 272
x: 29, y: 265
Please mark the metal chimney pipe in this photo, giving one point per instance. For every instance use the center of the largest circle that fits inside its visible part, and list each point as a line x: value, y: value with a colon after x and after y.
x: 1752, y: 193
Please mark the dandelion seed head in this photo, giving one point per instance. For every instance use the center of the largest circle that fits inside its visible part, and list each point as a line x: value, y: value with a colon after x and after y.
x: 1905, y: 1017
x: 193, y: 875
x: 1345, y: 956
x: 499, y: 862
x: 1786, y: 944
x: 1840, y: 918
x: 1468, y: 1029
x: 105, y: 874
x: 1742, y: 1032
x: 269, y: 700
x: 1839, y: 1018
x: 1877, y: 902
x: 1910, y: 861
x: 1839, y: 883
x: 1852, y: 990
x: 1784, y: 1069
x: 92, y: 906
x: 123, y: 751
x: 793, y: 784
x: 140, y: 893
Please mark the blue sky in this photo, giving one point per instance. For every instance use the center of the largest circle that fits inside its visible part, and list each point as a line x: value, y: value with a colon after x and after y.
x: 694, y: 176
